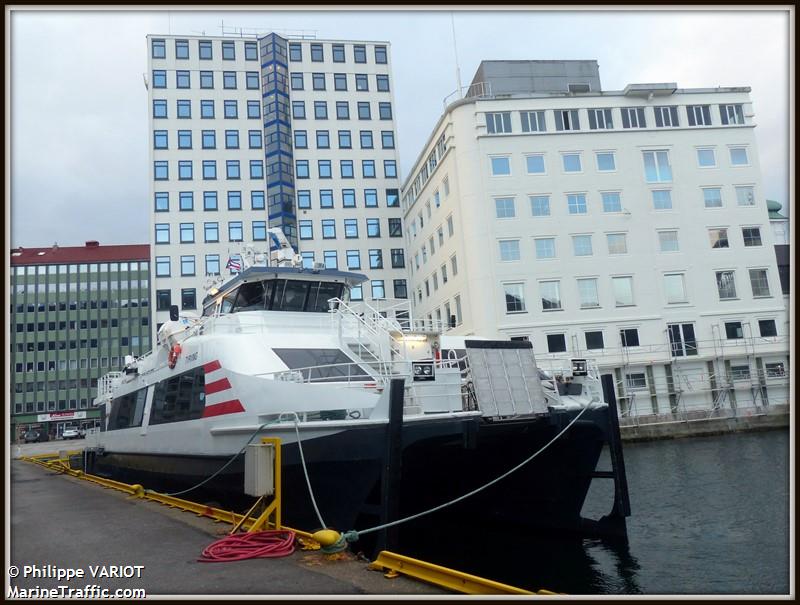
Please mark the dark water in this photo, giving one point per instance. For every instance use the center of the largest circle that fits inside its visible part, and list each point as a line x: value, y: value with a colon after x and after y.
x: 709, y: 516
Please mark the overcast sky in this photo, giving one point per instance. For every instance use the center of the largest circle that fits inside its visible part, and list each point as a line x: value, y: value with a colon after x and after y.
x: 79, y: 107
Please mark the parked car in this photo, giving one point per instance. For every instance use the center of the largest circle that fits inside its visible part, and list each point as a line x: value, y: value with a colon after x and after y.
x: 70, y: 434
x: 33, y: 436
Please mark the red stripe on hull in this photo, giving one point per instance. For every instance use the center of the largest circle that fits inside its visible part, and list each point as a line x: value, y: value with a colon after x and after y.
x: 211, y: 366
x: 226, y: 407
x: 218, y: 385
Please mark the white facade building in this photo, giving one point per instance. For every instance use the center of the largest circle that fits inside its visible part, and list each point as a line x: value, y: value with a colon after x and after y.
x: 252, y: 133
x: 625, y: 226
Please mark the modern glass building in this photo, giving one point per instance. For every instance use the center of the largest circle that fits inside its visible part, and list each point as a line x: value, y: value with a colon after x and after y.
x: 76, y: 312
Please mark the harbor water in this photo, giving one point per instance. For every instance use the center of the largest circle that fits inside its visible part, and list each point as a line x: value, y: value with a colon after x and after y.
x: 710, y: 515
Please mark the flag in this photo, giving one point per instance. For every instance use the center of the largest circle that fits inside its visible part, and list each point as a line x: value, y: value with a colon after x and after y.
x: 234, y: 263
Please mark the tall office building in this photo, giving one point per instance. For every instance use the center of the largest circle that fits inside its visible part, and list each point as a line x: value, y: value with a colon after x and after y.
x: 253, y: 133
x: 629, y: 226
x: 76, y: 312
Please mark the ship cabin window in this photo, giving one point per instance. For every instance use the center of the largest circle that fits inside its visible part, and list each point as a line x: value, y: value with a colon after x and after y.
x: 322, y: 365
x: 127, y: 410
x: 179, y: 398
x: 280, y: 295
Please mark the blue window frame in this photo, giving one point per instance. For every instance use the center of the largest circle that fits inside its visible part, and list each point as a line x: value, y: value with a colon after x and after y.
x: 380, y: 55
x: 328, y: 228
x: 371, y: 198
x: 342, y: 110
x: 346, y: 169
x: 393, y: 198
x: 366, y: 139
x: 348, y: 198
x: 207, y: 109
x: 211, y: 232
x: 300, y: 139
x: 257, y: 200
x: 390, y: 169
x: 295, y: 52
x: 363, y: 110
x: 162, y: 266
x: 331, y: 259
x: 210, y: 201
x: 324, y: 168
x: 362, y: 83
x: 184, y: 139
x: 345, y: 141
x: 259, y: 231
x: 187, y: 233
x: 359, y: 53
x: 182, y: 79
x: 162, y: 233
x: 186, y: 200
x: 235, y: 231
x: 232, y: 170
x: 228, y: 51
x: 161, y: 201
x: 316, y: 53
x: 321, y: 110
x: 254, y: 139
x: 368, y: 169
x: 326, y: 198
x: 306, y: 229
x: 212, y: 264
x: 185, y: 170
x: 256, y: 169
x: 373, y: 227
x: 301, y: 169
x: 350, y: 228
x: 387, y: 139
x: 160, y: 170
x: 209, y: 169
x: 205, y: 49
x: 304, y: 198
x: 231, y: 139
x: 158, y: 49
x: 187, y: 265
x: 229, y: 80
x: 382, y: 81
x: 323, y: 139
x: 299, y: 110
x: 184, y: 108
x: 231, y: 109
x: 251, y: 51
x: 159, y: 108
x: 159, y: 78
x: 209, y: 139
x: 253, y: 110
x: 181, y: 49
x: 385, y: 111
x: 251, y: 80
x: 160, y: 140
x: 234, y: 200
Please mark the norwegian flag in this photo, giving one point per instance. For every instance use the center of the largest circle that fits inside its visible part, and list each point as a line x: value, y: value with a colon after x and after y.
x: 234, y: 263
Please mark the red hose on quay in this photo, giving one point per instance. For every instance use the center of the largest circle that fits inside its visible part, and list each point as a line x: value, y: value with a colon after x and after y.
x: 238, y: 547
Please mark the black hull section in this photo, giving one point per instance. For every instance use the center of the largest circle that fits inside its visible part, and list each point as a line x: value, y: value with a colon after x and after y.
x: 441, y: 460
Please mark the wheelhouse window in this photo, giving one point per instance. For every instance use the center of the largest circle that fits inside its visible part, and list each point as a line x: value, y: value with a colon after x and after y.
x: 179, y: 398
x: 282, y: 295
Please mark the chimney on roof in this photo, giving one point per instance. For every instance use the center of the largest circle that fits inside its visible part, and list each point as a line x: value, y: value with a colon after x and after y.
x: 55, y: 246
x: 92, y: 244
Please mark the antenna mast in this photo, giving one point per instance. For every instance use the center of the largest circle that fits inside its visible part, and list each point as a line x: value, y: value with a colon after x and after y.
x: 455, y: 51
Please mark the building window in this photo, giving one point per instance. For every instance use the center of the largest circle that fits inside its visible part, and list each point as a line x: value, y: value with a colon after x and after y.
x: 182, y: 79
x: 362, y: 84
x: 504, y: 207
x: 657, y: 168
x: 718, y: 238
x: 184, y: 109
x: 515, y: 297
x: 594, y: 340
x: 381, y: 58
x: 317, y: 55
x: 373, y: 227
x: 257, y: 200
x: 629, y: 337
x: 556, y: 343
x: 498, y: 123
x: 210, y: 200
x: 731, y: 114
x: 576, y: 203
x: 254, y: 139
x: 207, y: 79
x: 228, y: 51
x: 301, y: 169
x: 376, y: 259
x: 600, y: 119
x: 509, y: 250
x: 323, y: 139
x: 623, y: 291
x: 587, y: 293
x: 232, y: 169
x: 207, y: 109
x: 733, y: 330
x: 767, y: 328
x: 636, y: 381
x: 387, y: 139
x: 550, y: 292
x: 668, y: 241
x: 745, y: 196
x: 350, y: 228
x: 395, y: 227
x: 666, y: 116
x: 633, y: 117
x: 188, y: 298
x: 253, y: 109
x: 606, y: 161
x: 159, y: 49
x: 345, y: 141
x: 348, y: 198
x: 378, y: 291
x: 300, y: 139
x: 611, y: 201
x: 532, y: 121
x: 328, y: 229
x: 739, y: 156
x: 662, y: 199
x: 540, y: 205
x: 163, y: 300
x: 706, y: 158
x: 160, y: 171
x: 162, y: 233
x: 235, y: 231
x: 306, y: 229
x: 162, y: 266
x: 545, y: 247
x: 162, y: 201
x: 321, y: 110
x: 231, y: 110
x: 712, y: 197
x: 205, y: 50
x: 382, y: 82
x: 343, y: 111
x: 572, y: 162
x: 365, y: 137
x: 617, y: 243
x: 751, y: 236
x: 759, y: 283
x: 234, y: 200
x: 211, y: 232
x: 368, y: 169
x: 296, y: 80
x: 390, y: 170
x: 299, y: 110
x: 159, y: 78
x: 726, y: 285
x: 324, y: 169
x: 385, y: 110
x: 318, y: 81
x: 675, y: 288
x: 535, y: 163
x: 567, y: 119
x: 187, y: 233
x: 160, y: 139
x: 295, y: 52
x: 259, y: 231
x: 231, y: 139
x: 581, y: 245
x: 229, y: 79
x: 698, y: 115
x: 398, y: 258
x: 209, y: 139
x: 346, y: 169
x: 159, y: 108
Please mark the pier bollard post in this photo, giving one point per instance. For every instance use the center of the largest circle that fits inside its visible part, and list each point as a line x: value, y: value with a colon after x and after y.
x: 392, y: 462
